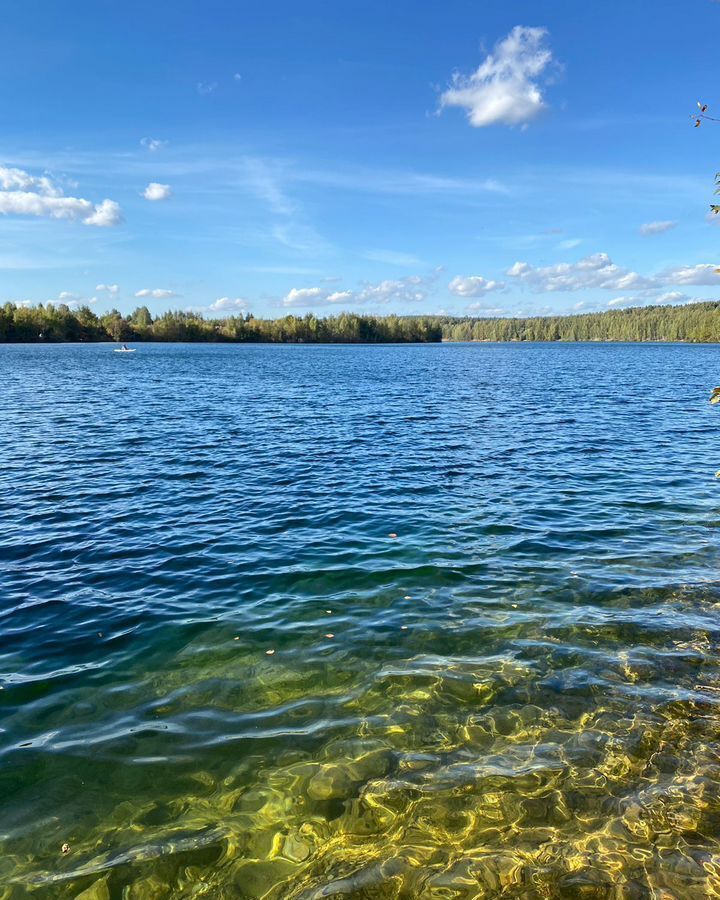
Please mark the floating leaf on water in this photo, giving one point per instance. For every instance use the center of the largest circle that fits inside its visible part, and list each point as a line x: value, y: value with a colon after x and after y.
x: 715, y: 396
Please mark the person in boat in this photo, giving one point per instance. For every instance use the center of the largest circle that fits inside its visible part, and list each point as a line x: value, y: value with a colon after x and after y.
x: 125, y: 347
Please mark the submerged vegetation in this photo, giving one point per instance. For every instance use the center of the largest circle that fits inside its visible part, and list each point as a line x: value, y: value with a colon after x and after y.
x: 695, y: 322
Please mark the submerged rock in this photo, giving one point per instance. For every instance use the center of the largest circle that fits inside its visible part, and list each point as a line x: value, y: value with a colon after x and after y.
x: 331, y: 782
x: 97, y: 891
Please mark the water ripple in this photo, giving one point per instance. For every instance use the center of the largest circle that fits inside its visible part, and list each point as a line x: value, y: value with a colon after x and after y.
x: 366, y: 622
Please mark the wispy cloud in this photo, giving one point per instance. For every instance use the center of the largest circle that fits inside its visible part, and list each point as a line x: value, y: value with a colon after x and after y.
x: 153, y: 144
x: 156, y: 293
x: 650, y: 228
x: 204, y: 87
x: 507, y: 87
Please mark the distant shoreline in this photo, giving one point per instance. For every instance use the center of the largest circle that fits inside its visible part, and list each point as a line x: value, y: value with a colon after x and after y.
x: 200, y: 343
x: 697, y: 323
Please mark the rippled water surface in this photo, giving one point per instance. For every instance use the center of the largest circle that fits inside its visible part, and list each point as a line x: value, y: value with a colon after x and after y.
x: 423, y: 622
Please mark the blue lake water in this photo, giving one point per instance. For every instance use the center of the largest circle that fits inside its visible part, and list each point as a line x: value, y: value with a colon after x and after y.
x: 365, y: 622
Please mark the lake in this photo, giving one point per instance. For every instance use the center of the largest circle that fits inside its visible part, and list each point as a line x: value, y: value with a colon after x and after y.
x: 308, y: 622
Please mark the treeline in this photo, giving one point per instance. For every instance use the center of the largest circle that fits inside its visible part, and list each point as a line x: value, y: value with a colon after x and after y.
x: 55, y: 323
x: 694, y: 322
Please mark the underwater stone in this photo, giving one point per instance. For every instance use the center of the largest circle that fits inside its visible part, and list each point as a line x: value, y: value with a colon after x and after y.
x: 150, y: 888
x: 330, y: 783
x: 97, y: 891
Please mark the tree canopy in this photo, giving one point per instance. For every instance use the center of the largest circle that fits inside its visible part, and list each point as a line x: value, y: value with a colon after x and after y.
x: 53, y: 323
x: 694, y: 322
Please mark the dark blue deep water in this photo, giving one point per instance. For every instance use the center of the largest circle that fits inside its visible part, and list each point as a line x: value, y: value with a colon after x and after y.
x: 359, y: 622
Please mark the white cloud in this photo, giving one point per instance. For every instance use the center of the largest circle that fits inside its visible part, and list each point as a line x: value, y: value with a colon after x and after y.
x: 473, y: 286
x: 412, y: 289
x: 65, y: 296
x: 596, y: 271
x: 226, y: 304
x: 156, y: 191
x: 110, y: 288
x: 237, y: 77
x: 153, y: 144
x: 106, y: 214
x: 703, y: 273
x: 18, y: 180
x: 569, y: 244
x: 306, y: 297
x: 204, y: 88
x: 23, y: 194
x: 156, y: 293
x: 506, y: 88
x: 650, y: 228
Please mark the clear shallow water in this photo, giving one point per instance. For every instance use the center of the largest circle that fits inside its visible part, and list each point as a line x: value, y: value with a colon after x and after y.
x: 521, y: 697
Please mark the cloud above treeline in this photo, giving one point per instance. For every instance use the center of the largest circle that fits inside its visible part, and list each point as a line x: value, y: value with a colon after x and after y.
x: 229, y: 304
x: 595, y: 271
x: 156, y: 293
x: 508, y: 86
x: 474, y: 286
x: 23, y: 194
x: 412, y: 289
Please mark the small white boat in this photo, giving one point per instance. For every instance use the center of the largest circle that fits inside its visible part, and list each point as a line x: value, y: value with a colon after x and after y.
x: 123, y: 350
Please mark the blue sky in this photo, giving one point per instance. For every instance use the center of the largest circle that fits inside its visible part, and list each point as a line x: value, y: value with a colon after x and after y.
x: 412, y: 157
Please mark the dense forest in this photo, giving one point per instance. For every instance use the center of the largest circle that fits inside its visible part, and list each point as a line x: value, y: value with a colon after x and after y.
x: 53, y: 323
x: 695, y: 322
